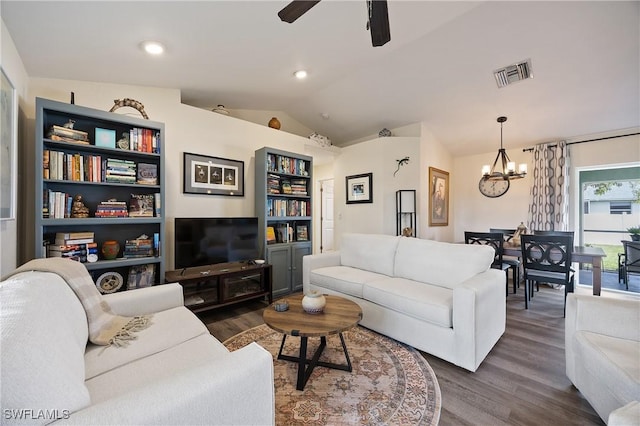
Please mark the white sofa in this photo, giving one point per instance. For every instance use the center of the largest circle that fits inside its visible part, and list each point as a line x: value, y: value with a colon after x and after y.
x: 602, y: 350
x: 174, y: 372
x: 441, y: 298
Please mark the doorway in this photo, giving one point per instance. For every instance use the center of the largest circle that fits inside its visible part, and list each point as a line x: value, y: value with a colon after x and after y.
x: 326, y: 216
x: 609, y: 204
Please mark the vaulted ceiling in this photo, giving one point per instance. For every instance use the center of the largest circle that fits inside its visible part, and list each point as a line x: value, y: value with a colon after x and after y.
x: 437, y: 69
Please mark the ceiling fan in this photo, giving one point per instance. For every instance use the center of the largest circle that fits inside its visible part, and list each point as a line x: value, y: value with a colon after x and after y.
x: 378, y: 19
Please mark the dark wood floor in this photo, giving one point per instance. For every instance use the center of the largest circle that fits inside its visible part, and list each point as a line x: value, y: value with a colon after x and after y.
x: 521, y: 382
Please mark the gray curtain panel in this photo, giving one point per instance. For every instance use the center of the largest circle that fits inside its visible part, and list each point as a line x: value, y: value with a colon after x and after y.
x: 549, y: 202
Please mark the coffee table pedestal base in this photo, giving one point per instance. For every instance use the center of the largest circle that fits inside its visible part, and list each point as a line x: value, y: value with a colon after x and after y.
x: 304, y: 371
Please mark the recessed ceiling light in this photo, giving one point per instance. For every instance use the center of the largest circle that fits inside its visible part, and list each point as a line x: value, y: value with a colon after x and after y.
x: 300, y: 74
x: 153, y: 47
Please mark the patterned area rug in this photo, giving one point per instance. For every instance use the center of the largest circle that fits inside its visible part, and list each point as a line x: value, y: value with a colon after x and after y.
x: 391, y: 384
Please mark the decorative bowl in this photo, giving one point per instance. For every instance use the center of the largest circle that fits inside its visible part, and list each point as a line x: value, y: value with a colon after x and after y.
x: 259, y: 261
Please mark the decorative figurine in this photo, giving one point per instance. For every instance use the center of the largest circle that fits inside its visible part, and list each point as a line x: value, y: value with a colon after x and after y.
x: 384, y: 133
x: 401, y: 163
x: 123, y: 142
x: 78, y: 209
x: 126, y: 102
x: 69, y: 124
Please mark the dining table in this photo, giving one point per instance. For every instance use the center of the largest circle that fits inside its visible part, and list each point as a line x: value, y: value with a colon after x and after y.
x: 581, y: 254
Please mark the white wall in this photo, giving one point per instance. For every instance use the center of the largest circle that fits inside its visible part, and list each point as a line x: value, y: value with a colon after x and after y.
x: 287, y: 123
x: 377, y: 156
x: 15, y: 71
x: 188, y: 129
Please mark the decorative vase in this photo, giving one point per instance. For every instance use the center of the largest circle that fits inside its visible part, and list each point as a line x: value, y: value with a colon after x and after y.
x: 522, y: 229
x: 274, y: 123
x: 110, y: 249
x: 313, y: 302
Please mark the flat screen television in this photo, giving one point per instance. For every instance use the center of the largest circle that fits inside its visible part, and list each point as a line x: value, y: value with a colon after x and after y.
x: 206, y: 240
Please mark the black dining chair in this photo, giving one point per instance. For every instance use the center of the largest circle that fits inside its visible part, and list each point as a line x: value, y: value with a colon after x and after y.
x: 547, y: 259
x: 496, y: 241
x: 513, y: 262
x: 629, y: 261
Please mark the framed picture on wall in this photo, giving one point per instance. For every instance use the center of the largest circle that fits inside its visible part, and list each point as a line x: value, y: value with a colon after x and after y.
x: 360, y: 188
x: 213, y: 175
x: 8, y: 148
x: 438, y: 197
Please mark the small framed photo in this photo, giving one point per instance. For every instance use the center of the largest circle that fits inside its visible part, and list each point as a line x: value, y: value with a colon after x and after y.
x: 301, y: 233
x: 438, y: 197
x: 360, y: 188
x: 213, y: 175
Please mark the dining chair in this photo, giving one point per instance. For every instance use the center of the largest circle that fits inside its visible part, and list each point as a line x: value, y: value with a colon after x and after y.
x: 496, y: 241
x: 513, y: 262
x: 547, y: 259
x: 629, y: 261
x: 542, y: 232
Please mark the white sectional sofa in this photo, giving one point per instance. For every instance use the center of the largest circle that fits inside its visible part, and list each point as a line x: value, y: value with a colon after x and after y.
x: 441, y: 298
x: 174, y: 372
x: 602, y: 349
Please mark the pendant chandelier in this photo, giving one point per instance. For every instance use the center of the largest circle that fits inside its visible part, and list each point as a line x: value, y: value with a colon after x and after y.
x: 503, y: 168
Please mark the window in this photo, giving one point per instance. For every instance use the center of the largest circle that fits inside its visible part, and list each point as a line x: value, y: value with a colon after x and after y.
x: 620, y: 207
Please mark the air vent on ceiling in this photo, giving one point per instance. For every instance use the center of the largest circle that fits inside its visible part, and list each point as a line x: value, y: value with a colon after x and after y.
x: 512, y: 73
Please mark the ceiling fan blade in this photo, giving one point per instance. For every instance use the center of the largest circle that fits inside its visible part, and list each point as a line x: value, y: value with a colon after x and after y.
x: 296, y: 9
x: 379, y: 22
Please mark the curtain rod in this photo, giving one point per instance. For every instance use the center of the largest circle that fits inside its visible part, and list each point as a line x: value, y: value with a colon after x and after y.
x: 588, y: 140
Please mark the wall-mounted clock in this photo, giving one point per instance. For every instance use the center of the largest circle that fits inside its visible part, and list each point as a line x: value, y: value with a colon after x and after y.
x: 493, y: 188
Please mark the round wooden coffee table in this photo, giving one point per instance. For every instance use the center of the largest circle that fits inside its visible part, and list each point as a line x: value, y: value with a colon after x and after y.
x: 339, y: 314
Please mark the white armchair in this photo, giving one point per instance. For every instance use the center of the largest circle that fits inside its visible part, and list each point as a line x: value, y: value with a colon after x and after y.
x: 602, y: 349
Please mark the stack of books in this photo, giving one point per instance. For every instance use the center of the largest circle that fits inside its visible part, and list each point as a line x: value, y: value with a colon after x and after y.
x: 65, y: 134
x: 140, y: 247
x: 273, y: 184
x: 79, y: 246
x: 298, y: 187
x: 120, y: 171
x: 112, y: 208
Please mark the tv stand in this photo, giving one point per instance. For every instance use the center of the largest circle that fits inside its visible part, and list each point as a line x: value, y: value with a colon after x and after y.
x: 214, y: 286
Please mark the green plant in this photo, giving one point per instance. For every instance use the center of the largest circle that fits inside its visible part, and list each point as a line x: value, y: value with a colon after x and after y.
x: 634, y: 230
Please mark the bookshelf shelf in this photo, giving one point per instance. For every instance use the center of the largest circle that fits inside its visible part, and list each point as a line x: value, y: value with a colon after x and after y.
x: 85, y: 167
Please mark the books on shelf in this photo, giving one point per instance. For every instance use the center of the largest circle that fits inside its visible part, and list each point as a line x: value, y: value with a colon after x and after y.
x: 286, y: 207
x: 112, y: 208
x: 141, y: 205
x: 301, y: 233
x: 87, y: 252
x: 271, y: 235
x: 147, y: 174
x: 56, y: 204
x: 287, y: 165
x: 120, y: 171
x: 59, y: 165
x: 139, y: 247
x: 144, y: 140
x: 66, y: 134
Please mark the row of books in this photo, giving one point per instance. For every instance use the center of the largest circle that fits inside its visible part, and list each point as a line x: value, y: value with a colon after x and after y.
x: 77, y: 167
x: 287, y: 233
x: 87, y: 252
x: 278, y: 185
x: 282, y: 208
x: 283, y: 164
x: 58, y: 205
x: 144, y: 140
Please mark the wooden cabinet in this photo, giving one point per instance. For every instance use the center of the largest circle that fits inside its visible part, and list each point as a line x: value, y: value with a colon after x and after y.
x: 283, y: 199
x: 214, y: 286
x: 82, y: 160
